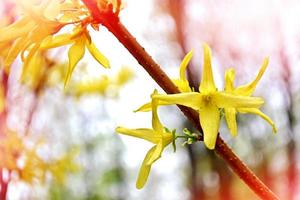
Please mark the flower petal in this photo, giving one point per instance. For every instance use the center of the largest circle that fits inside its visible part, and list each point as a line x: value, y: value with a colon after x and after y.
x: 230, y: 115
x: 148, y: 106
x: 229, y: 80
x: 182, y: 85
x: 156, y: 154
x: 207, y: 82
x: 18, y: 29
x: 143, y: 133
x: 97, y: 54
x: 261, y: 114
x: 56, y: 41
x: 248, y: 89
x: 144, y: 108
x: 184, y: 65
x: 224, y: 100
x: 189, y: 99
x: 75, y: 54
x: 210, y: 122
x: 144, y: 170
x: 156, y: 124
x: 14, y: 51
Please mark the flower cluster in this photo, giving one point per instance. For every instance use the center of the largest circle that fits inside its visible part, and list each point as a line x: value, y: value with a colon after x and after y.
x: 40, y: 29
x: 209, y: 102
x: 18, y: 157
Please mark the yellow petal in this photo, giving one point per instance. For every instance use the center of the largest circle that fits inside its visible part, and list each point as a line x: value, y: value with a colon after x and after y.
x: 143, y: 133
x: 248, y: 89
x: 184, y: 65
x: 148, y: 106
x: 33, y: 72
x: 75, y: 54
x: 31, y: 53
x: 229, y: 80
x: 18, y: 29
x: 144, y: 108
x: 144, y: 170
x: 210, y: 120
x: 57, y: 41
x: 261, y: 114
x: 156, y: 154
x: 156, y: 124
x: 14, y: 51
x: 97, y: 55
x: 190, y: 99
x: 207, y: 82
x: 230, y: 115
x: 224, y: 100
x: 182, y: 85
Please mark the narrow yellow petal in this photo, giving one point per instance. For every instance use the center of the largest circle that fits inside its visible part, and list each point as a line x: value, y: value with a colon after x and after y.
x: 31, y: 54
x: 144, y: 108
x: 14, y: 51
x: 156, y: 124
x: 148, y: 106
x: 230, y: 116
x: 182, y: 85
x: 143, y: 133
x: 210, y: 121
x: 261, y: 114
x: 56, y: 41
x: 97, y: 54
x: 189, y: 99
x: 18, y: 29
x: 207, y: 82
x: 156, y: 154
x: 248, y: 89
x: 184, y: 64
x: 224, y: 100
x: 32, y: 73
x: 229, y: 80
x: 144, y: 170
x: 75, y: 54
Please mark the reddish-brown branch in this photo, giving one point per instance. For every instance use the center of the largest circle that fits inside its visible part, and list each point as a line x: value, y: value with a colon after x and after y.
x: 113, y: 24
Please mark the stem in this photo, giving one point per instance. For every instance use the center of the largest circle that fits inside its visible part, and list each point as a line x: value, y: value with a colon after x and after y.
x: 112, y: 23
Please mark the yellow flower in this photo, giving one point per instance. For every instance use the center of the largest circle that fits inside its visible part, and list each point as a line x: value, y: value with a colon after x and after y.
x: 96, y: 86
x: 10, y: 149
x: 36, y: 29
x: 244, y: 90
x: 35, y: 168
x: 181, y: 83
x: 61, y: 167
x: 27, y: 33
x: 77, y: 51
x: 103, y: 85
x: 209, y: 101
x: 157, y: 135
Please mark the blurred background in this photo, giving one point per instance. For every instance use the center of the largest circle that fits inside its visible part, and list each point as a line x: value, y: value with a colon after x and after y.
x: 72, y: 131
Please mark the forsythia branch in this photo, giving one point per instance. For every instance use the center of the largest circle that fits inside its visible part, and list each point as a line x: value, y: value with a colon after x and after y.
x: 113, y: 24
